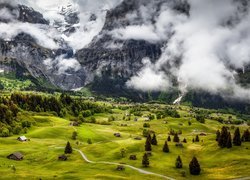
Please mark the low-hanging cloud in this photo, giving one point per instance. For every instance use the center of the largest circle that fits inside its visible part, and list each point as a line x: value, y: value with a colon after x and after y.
x: 210, y: 44
x: 148, y: 79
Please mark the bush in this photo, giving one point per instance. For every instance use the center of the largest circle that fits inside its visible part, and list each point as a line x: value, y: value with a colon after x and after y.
x: 86, y: 113
x: 146, y: 125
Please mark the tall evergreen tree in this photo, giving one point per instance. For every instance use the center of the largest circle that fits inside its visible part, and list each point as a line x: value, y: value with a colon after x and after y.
x: 169, y: 139
x: 194, y: 167
x: 148, y: 145
x: 237, y: 138
x: 145, y: 160
x: 222, y: 141
x: 246, y: 136
x: 229, y: 140
x: 178, y: 163
x: 176, y: 138
x: 154, y: 140
x: 165, y: 147
x: 68, y: 148
x: 197, y: 139
x: 149, y: 138
x: 74, y: 135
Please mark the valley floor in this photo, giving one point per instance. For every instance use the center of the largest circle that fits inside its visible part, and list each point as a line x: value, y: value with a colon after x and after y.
x: 99, y: 160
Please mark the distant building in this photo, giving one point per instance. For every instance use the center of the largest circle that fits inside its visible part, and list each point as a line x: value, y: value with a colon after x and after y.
x: 138, y: 138
x: 120, y: 168
x: 16, y: 156
x: 179, y: 145
x: 62, y: 158
x: 117, y: 134
x: 203, y: 134
x: 22, y: 138
x: 74, y: 123
x: 132, y: 157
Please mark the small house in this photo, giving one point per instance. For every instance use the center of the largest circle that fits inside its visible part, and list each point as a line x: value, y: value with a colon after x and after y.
x: 203, y: 134
x: 16, y: 156
x: 117, y: 134
x: 62, y: 158
x: 132, y: 157
x: 22, y: 138
x: 120, y: 168
x: 74, y: 123
x: 179, y: 145
x: 138, y: 138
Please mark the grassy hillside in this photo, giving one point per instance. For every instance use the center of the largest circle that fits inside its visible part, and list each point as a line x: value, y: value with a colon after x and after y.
x: 49, y: 134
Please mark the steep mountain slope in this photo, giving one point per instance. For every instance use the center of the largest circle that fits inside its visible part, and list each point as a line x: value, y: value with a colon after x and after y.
x: 137, y: 47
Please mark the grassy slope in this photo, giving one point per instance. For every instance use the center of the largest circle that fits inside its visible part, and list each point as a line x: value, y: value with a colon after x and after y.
x: 50, y: 132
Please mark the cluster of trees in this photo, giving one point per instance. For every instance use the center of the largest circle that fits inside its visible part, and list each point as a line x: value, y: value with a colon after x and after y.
x: 224, y: 138
x: 10, y: 106
x: 168, y: 112
x: 194, y: 166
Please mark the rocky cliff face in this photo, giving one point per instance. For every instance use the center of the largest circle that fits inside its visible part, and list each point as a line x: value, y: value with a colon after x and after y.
x: 105, y: 64
x: 24, y: 51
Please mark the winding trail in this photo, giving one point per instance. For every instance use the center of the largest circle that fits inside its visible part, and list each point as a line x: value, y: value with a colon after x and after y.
x: 125, y: 165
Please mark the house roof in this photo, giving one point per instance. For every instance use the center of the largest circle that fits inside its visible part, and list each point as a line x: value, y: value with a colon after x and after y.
x: 22, y: 138
x: 18, y: 155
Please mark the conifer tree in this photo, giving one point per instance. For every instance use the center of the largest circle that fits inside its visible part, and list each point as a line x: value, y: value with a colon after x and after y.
x: 246, y: 136
x: 169, y: 138
x: 184, y: 140
x: 176, y: 138
x: 145, y: 160
x: 148, y: 145
x: 154, y: 140
x: 165, y: 147
x: 194, y: 167
x: 178, y: 163
x: 74, y: 135
x: 237, y: 138
x: 197, y: 139
x: 222, y: 141
x: 229, y: 140
x: 68, y: 148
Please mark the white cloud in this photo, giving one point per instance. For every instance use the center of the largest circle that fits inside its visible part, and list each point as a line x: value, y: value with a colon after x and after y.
x: 44, y: 36
x: 149, y: 79
x: 206, y: 44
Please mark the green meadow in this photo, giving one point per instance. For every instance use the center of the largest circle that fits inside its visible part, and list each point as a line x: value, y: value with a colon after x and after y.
x: 49, y: 135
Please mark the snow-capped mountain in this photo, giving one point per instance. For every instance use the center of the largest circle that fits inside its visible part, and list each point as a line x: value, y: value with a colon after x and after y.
x: 119, y: 46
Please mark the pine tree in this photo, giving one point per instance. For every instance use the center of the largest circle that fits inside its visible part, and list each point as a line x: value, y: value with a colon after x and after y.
x: 237, y: 139
x: 149, y: 138
x: 197, y: 139
x: 74, y: 135
x: 176, y: 138
x: 246, y: 136
x: 154, y: 140
x: 148, y: 145
x: 145, y: 160
x: 68, y: 149
x: 165, y: 147
x: 229, y: 141
x: 184, y: 140
x: 194, y: 167
x: 178, y: 163
x: 169, y: 138
x: 217, y: 135
x: 222, y: 141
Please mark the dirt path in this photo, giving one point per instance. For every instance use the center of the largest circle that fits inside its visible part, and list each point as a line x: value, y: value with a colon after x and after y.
x: 125, y: 165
